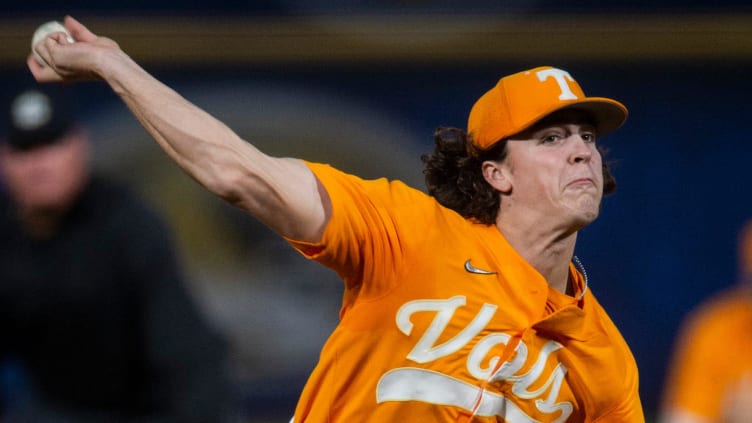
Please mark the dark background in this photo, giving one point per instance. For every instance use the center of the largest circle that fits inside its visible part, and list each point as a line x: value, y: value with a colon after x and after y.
x: 664, y: 242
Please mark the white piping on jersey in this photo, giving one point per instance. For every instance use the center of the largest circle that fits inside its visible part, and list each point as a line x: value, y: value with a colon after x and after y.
x: 582, y: 270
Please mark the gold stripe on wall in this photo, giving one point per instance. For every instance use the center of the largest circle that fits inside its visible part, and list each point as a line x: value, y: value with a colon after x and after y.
x: 418, y: 38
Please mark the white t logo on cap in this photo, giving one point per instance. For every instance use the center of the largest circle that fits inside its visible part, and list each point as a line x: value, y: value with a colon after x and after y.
x: 561, y: 77
x: 31, y: 110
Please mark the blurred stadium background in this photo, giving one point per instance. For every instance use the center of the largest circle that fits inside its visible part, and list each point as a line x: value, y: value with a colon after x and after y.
x: 362, y: 84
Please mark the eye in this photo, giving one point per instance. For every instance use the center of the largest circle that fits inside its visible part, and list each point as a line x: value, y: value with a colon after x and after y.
x: 550, y: 138
x: 588, y: 137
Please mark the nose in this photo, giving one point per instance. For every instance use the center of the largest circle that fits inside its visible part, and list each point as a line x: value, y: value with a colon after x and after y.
x: 582, y: 151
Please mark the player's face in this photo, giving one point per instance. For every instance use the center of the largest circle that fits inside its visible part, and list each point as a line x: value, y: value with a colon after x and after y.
x: 555, y: 171
x: 48, y: 176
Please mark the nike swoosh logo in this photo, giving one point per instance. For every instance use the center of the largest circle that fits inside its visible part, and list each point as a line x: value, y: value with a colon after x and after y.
x: 472, y: 269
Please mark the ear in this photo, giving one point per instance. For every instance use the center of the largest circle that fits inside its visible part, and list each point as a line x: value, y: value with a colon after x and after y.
x: 497, y: 175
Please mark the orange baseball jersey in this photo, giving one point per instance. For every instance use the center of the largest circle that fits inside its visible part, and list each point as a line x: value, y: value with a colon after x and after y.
x: 442, y: 321
x: 713, y: 352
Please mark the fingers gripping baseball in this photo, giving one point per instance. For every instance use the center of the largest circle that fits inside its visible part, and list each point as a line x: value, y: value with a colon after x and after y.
x: 68, y: 52
x: 44, y: 31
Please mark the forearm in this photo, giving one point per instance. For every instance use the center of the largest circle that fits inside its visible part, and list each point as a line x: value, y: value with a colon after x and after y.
x: 200, y: 144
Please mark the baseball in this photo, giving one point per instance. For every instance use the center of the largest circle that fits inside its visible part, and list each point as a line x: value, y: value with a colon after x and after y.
x: 43, y: 31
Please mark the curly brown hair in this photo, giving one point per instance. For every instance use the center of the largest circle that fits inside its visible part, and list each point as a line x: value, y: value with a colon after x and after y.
x: 453, y: 175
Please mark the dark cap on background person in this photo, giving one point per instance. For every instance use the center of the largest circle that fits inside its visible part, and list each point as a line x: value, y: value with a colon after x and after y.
x: 37, y: 115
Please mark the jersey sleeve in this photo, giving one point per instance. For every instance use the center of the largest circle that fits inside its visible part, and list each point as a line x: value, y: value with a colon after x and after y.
x: 370, y: 224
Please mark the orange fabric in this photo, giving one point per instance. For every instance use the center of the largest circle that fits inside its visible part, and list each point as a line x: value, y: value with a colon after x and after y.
x: 521, y: 99
x: 420, y: 337
x: 713, y: 351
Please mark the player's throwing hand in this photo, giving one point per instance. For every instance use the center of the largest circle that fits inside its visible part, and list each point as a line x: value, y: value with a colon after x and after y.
x: 68, y: 61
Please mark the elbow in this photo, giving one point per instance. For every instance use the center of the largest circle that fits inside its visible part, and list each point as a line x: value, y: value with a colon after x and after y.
x: 225, y: 184
x: 221, y: 173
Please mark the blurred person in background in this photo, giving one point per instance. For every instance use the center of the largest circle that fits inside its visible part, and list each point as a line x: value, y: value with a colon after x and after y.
x: 710, y: 375
x: 94, y: 310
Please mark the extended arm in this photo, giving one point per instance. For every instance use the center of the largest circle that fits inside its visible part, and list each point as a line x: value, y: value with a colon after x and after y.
x: 281, y: 192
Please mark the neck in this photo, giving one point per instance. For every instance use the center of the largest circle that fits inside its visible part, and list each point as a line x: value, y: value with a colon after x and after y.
x: 549, y: 252
x: 41, y: 223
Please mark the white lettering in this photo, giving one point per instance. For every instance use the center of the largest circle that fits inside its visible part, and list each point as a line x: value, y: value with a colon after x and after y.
x: 425, y: 351
x: 481, y: 350
x: 561, y: 77
x: 414, y: 384
x: 550, y: 406
x: 523, y: 382
x: 411, y: 384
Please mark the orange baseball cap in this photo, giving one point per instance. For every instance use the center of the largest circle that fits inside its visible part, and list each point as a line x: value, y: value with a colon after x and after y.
x: 520, y: 100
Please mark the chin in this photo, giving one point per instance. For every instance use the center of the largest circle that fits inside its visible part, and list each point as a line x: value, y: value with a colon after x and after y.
x: 587, y: 208
x: 585, y: 217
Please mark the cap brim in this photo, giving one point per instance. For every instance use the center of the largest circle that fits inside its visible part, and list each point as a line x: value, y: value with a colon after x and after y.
x: 50, y: 134
x: 609, y: 115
